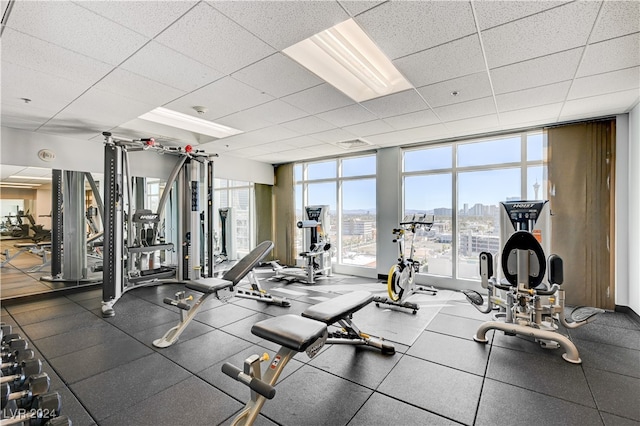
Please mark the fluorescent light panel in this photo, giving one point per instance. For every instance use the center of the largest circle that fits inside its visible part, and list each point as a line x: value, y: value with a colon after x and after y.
x: 345, y: 57
x: 187, y: 122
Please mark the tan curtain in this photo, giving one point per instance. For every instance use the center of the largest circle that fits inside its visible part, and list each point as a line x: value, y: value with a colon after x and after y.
x: 284, y: 215
x: 581, y: 187
x: 264, y: 214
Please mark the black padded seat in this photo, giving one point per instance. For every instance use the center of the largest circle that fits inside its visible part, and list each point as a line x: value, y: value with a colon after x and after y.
x: 291, y: 331
x: 339, y: 307
x: 209, y: 285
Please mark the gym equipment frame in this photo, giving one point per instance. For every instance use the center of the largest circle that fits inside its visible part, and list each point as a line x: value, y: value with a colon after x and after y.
x: 401, y: 283
x: 527, y: 306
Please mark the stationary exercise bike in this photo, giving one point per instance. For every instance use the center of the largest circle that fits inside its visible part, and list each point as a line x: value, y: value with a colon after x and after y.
x: 401, y: 281
x: 526, y: 305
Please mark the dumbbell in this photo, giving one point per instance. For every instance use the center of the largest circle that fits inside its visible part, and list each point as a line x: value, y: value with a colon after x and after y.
x: 11, y: 343
x: 16, y: 358
x: 17, y: 381
x: 13, y: 368
x: 38, y: 384
x: 44, y: 409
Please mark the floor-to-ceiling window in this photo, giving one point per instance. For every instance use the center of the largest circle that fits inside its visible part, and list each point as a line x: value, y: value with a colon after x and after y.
x: 462, y: 184
x: 239, y: 196
x: 348, y: 186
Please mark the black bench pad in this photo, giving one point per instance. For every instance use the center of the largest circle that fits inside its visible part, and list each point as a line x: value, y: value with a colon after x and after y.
x: 209, y: 285
x: 339, y: 307
x: 290, y: 331
x: 32, y: 245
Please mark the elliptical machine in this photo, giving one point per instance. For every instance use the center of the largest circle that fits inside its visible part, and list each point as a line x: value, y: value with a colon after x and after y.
x: 525, y: 304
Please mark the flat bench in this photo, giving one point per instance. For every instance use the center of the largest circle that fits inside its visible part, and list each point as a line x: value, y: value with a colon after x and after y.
x: 339, y: 311
x: 222, y: 288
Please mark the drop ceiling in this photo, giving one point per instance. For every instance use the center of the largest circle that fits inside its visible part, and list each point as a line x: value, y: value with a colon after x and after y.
x: 94, y: 66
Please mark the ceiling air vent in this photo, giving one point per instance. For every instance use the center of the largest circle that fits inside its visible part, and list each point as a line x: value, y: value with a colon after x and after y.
x: 354, y: 143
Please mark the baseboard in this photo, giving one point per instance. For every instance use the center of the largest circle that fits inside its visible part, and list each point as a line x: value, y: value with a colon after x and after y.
x: 627, y: 310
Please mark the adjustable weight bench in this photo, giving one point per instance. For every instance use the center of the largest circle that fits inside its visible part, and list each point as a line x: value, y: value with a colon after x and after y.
x: 222, y: 288
x: 294, y: 334
x: 339, y: 311
x: 35, y: 248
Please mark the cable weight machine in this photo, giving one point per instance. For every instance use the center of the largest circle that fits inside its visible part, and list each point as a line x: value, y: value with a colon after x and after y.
x: 134, y: 236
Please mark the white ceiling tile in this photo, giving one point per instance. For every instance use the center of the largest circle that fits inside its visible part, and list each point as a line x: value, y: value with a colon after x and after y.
x: 48, y: 93
x: 318, y: 99
x: 30, y: 52
x: 475, y: 125
x: 299, y: 142
x: 610, y: 103
x: 277, y: 75
x: 400, y: 28
x: 536, y: 72
x: 617, y: 18
x: 147, y: 17
x: 277, y: 111
x: 99, y: 106
x: 354, y: 7
x: 416, y: 134
x: 544, y: 114
x: 246, y: 120
x: 274, y: 134
x: 222, y: 97
x: 493, y: 13
x: 414, y: 119
x: 133, y: 86
x: 165, y: 65
x: 396, y: 104
x: 251, y: 152
x: 346, y: 116
x: 307, y: 125
x: 208, y: 36
x: 533, y: 97
x: 370, y: 128
x: 555, y: 30
x: 283, y: 23
x: 334, y: 136
x: 445, y: 62
x: 469, y: 87
x: 27, y: 113
x: 601, y: 84
x: 474, y: 108
x: 90, y: 34
x: 611, y: 55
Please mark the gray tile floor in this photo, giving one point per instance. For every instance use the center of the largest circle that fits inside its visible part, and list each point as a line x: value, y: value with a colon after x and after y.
x: 109, y: 373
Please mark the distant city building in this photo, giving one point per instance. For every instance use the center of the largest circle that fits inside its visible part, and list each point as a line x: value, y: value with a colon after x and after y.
x: 471, y: 245
x: 357, y: 227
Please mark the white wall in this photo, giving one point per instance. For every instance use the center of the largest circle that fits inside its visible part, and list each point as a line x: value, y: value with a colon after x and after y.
x: 20, y: 148
x: 633, y: 196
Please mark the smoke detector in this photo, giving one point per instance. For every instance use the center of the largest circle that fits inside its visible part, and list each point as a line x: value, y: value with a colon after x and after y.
x: 201, y: 110
x: 353, y: 143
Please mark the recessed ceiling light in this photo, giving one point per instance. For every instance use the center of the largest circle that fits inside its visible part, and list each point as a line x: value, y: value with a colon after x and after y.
x: 345, y: 57
x: 187, y: 122
x: 29, y: 177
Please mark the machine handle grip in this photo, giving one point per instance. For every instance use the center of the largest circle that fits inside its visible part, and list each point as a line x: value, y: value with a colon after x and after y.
x: 180, y: 305
x: 255, y: 384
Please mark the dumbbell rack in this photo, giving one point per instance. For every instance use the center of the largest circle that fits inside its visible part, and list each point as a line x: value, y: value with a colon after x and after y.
x: 24, y: 388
